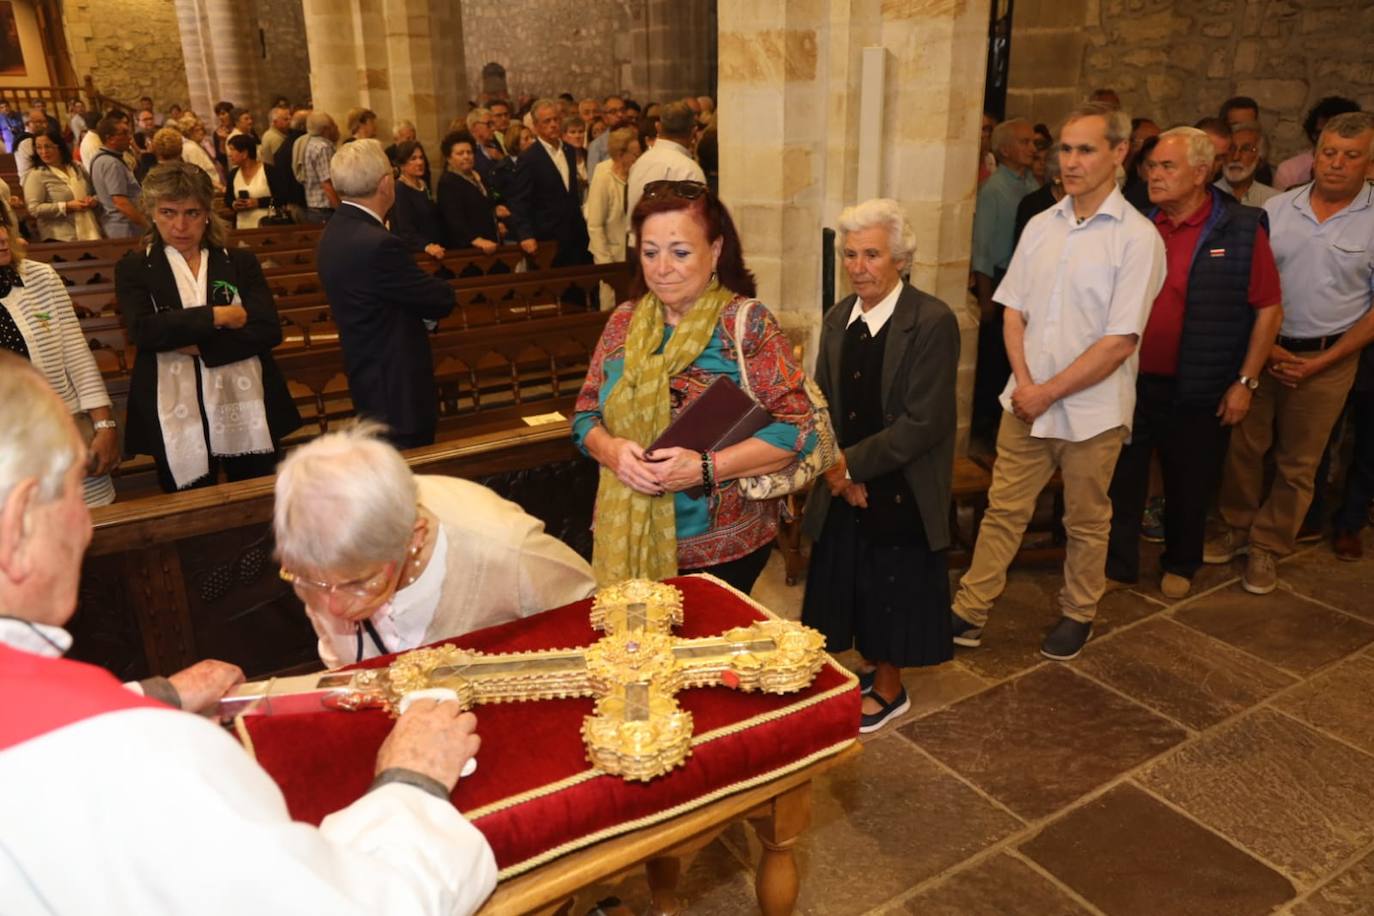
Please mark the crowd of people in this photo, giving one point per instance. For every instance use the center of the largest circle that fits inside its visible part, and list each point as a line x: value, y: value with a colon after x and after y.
x: 1145, y: 294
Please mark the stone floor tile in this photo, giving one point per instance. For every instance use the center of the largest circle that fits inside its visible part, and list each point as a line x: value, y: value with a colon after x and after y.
x: 1171, y: 668
x: 1338, y: 700
x: 1003, y: 885
x: 882, y: 824
x: 1317, y: 573
x: 1042, y: 740
x: 1282, y: 628
x: 1295, y: 797
x: 1350, y: 893
x: 1128, y: 853
x: 1025, y: 612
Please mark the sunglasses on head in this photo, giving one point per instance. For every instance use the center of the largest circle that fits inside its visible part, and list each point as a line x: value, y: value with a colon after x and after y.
x: 684, y: 190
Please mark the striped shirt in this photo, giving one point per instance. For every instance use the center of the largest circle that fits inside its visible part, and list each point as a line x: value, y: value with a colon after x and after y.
x: 42, y: 310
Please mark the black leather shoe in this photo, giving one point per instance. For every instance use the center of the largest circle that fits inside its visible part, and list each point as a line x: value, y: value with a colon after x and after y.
x: 965, y: 633
x: 1066, y: 640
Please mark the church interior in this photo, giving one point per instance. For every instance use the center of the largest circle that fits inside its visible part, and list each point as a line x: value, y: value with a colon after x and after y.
x: 1206, y: 754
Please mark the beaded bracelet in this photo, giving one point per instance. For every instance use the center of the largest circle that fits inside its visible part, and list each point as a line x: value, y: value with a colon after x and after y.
x: 708, y: 477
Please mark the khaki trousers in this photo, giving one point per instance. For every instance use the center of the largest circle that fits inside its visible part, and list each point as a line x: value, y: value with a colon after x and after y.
x: 1296, y: 423
x: 1024, y: 465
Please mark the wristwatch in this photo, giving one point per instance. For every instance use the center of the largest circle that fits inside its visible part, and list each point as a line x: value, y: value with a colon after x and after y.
x: 1248, y: 382
x: 104, y: 424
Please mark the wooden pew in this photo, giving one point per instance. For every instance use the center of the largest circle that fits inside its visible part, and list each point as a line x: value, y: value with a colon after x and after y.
x: 174, y: 578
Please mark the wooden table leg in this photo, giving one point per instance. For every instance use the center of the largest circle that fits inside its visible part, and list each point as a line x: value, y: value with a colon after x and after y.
x: 777, y: 881
x: 663, y: 873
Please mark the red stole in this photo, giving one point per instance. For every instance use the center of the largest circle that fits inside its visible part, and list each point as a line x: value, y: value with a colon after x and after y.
x: 41, y: 695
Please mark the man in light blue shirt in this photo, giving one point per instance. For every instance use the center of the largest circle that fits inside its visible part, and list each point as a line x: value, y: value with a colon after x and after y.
x: 1323, y: 240
x: 613, y: 113
x: 994, y: 233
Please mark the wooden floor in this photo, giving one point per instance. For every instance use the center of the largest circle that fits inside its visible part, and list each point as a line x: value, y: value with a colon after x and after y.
x: 1210, y: 756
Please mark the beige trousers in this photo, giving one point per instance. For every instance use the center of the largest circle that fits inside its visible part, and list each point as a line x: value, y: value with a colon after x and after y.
x: 1024, y: 465
x: 1296, y: 422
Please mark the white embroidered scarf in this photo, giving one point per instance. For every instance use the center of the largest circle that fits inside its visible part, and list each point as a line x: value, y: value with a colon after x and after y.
x: 87, y: 226
x: 233, y: 394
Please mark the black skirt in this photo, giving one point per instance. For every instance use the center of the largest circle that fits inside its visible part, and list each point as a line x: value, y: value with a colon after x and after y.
x: 888, y: 598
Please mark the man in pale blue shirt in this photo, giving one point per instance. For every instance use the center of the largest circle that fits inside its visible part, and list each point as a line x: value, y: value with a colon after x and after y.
x: 994, y: 235
x: 1078, y: 293
x: 613, y: 113
x: 1323, y: 240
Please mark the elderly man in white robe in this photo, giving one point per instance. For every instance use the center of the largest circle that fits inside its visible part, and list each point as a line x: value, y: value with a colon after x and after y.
x: 117, y: 803
x: 385, y: 560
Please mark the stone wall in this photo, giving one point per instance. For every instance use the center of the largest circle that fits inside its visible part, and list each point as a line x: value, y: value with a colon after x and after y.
x: 650, y: 49
x: 1176, y: 60
x: 284, y: 67
x: 130, y: 47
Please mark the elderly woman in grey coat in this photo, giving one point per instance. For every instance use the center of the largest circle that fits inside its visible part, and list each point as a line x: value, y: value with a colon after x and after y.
x: 880, y: 520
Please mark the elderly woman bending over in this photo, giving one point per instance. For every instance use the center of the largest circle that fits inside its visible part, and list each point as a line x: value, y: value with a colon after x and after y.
x: 658, y: 354
x: 385, y: 560
x: 205, y: 391
x: 887, y: 364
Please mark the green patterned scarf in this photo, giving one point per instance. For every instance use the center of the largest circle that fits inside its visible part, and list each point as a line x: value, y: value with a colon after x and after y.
x: 636, y: 534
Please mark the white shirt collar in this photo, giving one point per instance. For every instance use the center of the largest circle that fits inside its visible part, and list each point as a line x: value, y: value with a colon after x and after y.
x: 37, y: 638
x: 368, y: 210
x: 412, y: 608
x: 553, y: 151
x: 877, y: 316
x: 1114, y: 206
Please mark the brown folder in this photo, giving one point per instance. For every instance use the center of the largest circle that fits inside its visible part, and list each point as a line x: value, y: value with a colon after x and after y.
x: 722, y: 416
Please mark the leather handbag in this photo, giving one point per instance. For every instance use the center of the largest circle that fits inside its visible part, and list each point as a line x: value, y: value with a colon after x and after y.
x: 798, y: 475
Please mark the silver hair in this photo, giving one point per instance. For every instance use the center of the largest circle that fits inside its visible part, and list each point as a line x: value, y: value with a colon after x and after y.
x: 41, y: 441
x: 541, y: 104
x: 317, y: 121
x: 1004, y: 135
x: 477, y: 114
x: 1198, y: 144
x: 357, y: 168
x: 1254, y: 126
x: 344, y: 501
x: 1118, y: 122
x: 885, y: 212
x: 401, y: 125
x: 1349, y: 125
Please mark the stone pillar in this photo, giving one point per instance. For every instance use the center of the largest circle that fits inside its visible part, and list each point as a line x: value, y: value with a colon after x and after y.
x: 218, y: 41
x: 789, y: 108
x: 401, y: 58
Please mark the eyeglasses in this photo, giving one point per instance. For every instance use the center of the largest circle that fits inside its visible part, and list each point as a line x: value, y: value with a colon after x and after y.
x: 369, y: 587
x: 666, y: 187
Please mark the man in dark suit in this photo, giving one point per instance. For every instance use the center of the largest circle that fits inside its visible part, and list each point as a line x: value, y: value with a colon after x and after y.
x: 380, y: 299
x: 544, y: 197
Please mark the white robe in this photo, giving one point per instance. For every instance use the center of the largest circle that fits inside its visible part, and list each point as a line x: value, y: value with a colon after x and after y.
x: 148, y: 810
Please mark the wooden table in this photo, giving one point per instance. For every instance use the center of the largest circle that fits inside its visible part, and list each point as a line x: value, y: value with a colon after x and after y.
x: 779, y: 811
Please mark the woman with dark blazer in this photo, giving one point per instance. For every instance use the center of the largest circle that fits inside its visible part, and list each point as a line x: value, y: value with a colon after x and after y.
x: 888, y: 360
x: 205, y: 392
x: 414, y: 218
x: 465, y: 207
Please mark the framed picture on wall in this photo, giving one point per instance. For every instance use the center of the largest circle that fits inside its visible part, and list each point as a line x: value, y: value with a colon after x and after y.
x: 11, y: 54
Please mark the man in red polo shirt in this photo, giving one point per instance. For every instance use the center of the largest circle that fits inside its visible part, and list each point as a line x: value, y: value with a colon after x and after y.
x: 1209, y: 334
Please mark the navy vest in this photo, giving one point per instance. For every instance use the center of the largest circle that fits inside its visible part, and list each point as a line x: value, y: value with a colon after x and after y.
x: 1218, y: 316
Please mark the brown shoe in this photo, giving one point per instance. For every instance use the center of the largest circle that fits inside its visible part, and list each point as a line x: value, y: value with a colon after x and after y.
x: 1346, y: 545
x: 1175, y: 586
x: 1261, y: 572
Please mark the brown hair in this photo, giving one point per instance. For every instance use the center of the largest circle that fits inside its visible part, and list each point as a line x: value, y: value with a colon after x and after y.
x: 715, y: 219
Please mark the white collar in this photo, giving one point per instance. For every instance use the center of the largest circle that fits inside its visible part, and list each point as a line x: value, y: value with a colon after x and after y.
x: 672, y: 145
x: 37, y: 638
x: 403, y: 621
x: 549, y: 148
x: 1114, y: 206
x: 877, y: 316
x: 368, y: 210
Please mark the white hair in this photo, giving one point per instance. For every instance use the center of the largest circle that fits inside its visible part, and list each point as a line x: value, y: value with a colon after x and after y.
x: 885, y: 212
x: 40, y: 441
x: 1244, y: 126
x: 400, y: 126
x: 1004, y: 135
x: 1197, y: 142
x: 344, y: 501
x: 317, y: 121
x: 357, y: 168
x: 477, y: 114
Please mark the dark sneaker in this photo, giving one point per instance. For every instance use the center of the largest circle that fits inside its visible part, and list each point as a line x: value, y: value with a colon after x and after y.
x: 1066, y: 640
x: 965, y: 633
x: 871, y: 722
x: 1152, y: 522
x: 866, y: 679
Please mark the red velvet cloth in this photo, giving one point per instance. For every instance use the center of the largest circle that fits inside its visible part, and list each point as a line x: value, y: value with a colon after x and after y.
x: 323, y: 761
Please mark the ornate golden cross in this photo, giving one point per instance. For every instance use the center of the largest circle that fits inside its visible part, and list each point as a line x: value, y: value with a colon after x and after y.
x: 638, y: 730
